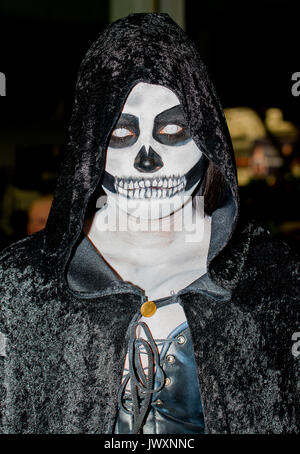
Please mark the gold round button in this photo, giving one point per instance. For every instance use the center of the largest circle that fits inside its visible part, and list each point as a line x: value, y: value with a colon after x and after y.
x: 148, y: 309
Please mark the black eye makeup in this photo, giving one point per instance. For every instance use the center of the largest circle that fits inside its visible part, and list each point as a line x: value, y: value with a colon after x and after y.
x: 170, y: 127
x: 125, y: 132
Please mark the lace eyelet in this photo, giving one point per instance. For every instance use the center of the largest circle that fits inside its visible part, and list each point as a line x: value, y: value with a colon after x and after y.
x: 171, y: 359
x: 181, y: 339
x: 167, y: 381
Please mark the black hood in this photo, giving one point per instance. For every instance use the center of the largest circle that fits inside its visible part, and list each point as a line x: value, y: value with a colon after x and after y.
x: 147, y: 48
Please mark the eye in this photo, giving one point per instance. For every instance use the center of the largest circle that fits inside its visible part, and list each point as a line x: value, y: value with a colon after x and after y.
x: 122, y: 132
x: 170, y: 129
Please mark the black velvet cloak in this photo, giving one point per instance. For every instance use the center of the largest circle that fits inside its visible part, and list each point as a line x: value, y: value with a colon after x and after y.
x: 62, y: 349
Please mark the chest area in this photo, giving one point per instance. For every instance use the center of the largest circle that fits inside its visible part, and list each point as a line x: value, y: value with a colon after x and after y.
x: 159, y: 271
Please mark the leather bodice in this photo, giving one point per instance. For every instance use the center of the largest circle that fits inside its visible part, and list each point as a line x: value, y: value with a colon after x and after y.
x: 176, y: 408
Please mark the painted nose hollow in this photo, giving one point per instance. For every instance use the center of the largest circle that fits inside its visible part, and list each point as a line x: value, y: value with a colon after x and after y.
x: 148, y: 162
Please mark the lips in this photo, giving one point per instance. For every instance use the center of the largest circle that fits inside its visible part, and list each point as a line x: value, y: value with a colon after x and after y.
x: 145, y: 188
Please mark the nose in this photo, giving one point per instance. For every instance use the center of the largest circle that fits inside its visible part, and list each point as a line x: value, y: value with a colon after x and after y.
x: 148, y: 162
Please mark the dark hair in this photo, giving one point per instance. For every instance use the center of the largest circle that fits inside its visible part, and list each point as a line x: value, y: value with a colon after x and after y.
x: 213, y: 188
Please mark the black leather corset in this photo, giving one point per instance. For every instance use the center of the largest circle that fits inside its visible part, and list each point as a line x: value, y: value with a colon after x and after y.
x: 175, y: 405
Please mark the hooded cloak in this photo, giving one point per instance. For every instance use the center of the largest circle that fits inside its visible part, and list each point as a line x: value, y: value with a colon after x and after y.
x: 64, y: 319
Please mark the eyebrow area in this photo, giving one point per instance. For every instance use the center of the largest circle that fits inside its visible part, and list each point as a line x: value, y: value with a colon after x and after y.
x: 127, y: 120
x: 174, y: 114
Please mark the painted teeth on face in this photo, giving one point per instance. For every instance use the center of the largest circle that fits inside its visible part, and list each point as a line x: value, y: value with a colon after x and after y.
x: 156, y: 188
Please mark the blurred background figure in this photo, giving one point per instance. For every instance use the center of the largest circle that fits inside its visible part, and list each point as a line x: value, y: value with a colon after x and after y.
x: 28, y: 186
x: 38, y: 214
x: 264, y: 160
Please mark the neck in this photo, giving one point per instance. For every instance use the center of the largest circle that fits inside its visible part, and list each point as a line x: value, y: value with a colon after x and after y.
x: 184, y: 224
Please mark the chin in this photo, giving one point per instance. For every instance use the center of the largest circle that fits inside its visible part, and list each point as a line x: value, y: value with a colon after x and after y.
x: 149, y: 208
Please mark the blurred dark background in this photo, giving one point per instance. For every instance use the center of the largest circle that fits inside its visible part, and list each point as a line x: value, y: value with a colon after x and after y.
x: 251, y: 49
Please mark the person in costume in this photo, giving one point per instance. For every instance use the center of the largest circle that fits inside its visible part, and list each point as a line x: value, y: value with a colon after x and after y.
x: 149, y: 328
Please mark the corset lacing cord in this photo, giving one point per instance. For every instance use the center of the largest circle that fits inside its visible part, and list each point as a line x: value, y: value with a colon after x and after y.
x: 142, y: 384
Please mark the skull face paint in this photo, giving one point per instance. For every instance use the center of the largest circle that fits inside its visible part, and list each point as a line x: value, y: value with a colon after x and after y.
x: 152, y: 158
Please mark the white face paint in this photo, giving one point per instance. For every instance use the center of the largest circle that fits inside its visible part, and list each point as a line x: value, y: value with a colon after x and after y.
x: 149, y: 154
